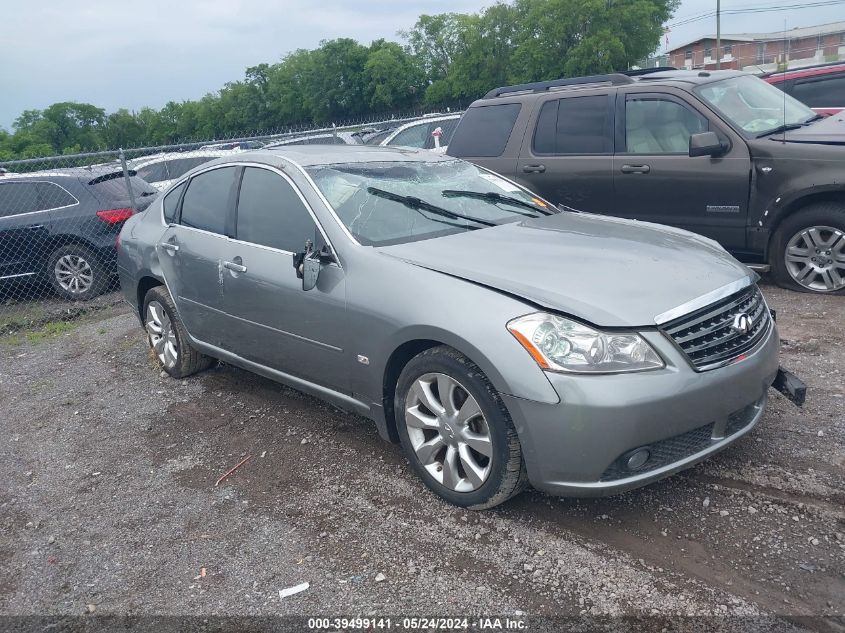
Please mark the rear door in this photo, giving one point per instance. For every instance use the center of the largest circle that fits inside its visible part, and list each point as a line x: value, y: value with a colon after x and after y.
x: 567, y: 152
x: 193, y: 248
x: 656, y: 180
x: 25, y: 224
x: 274, y: 321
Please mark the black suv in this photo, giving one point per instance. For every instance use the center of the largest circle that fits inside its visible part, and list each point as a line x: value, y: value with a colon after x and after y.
x: 61, y: 227
x: 720, y: 153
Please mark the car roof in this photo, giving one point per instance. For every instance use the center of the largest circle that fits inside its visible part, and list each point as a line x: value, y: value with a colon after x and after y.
x: 427, y: 120
x: 679, y: 78
x: 805, y: 71
x: 310, y: 155
x: 142, y: 161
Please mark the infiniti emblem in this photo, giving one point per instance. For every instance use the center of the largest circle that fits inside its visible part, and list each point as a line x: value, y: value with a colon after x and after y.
x: 742, y: 323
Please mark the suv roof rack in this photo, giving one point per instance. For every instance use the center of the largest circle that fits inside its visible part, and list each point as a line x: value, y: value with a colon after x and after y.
x: 613, y: 79
x: 646, y: 71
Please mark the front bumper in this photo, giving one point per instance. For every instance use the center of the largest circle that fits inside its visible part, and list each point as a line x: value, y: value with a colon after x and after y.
x: 579, y: 446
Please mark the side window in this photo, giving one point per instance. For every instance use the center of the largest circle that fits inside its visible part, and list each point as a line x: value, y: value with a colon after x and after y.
x: 206, y: 201
x: 484, y: 131
x: 171, y: 201
x: 271, y: 213
x: 51, y: 196
x: 660, y: 126
x: 414, y: 136
x: 447, y: 128
x: 576, y: 125
x: 821, y: 93
x: 18, y: 197
x: 179, y: 166
x: 153, y: 173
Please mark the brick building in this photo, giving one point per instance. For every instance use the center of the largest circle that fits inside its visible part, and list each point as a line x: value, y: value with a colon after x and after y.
x: 765, y: 51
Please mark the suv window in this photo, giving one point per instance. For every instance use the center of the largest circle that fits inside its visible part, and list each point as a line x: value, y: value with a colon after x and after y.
x: 27, y: 197
x: 271, y: 213
x: 18, y: 197
x: 154, y: 173
x: 414, y: 136
x: 52, y: 196
x: 575, y: 125
x: 660, y: 126
x: 179, y: 166
x: 206, y: 201
x: 485, y: 130
x: 824, y: 92
x: 171, y: 201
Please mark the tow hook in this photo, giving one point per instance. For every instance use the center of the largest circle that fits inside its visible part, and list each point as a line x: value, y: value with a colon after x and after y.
x: 790, y: 386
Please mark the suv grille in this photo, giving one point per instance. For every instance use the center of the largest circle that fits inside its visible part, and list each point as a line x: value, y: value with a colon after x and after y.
x: 707, y: 336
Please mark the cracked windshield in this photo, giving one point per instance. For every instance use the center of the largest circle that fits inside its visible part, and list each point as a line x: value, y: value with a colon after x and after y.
x: 383, y: 203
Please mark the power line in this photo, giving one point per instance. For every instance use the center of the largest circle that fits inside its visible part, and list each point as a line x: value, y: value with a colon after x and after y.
x: 757, y: 9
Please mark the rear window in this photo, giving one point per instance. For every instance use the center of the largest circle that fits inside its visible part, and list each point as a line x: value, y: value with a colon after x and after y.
x: 484, y: 131
x: 827, y: 92
x: 115, y: 188
x: 575, y: 125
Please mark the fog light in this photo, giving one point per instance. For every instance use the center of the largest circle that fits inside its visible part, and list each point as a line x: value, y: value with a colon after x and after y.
x: 637, y: 458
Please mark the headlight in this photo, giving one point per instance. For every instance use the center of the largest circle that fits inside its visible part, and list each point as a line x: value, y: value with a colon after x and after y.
x: 560, y: 344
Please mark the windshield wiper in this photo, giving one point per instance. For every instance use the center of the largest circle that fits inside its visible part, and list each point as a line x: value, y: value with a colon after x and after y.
x: 813, y: 118
x: 492, y: 196
x: 417, y: 203
x: 781, y: 128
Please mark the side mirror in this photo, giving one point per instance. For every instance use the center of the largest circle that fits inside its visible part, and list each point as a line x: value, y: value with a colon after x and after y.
x: 705, y: 144
x: 309, y: 263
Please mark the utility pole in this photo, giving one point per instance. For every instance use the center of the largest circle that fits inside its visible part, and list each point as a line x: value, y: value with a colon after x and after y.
x: 718, y: 35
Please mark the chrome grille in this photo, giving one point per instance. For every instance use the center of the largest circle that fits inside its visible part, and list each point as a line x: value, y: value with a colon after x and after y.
x: 707, y: 335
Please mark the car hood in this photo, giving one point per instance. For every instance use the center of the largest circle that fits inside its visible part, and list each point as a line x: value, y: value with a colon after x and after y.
x: 827, y: 131
x: 607, y: 271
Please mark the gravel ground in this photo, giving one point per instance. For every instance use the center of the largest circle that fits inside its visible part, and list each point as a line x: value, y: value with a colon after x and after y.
x: 108, y: 502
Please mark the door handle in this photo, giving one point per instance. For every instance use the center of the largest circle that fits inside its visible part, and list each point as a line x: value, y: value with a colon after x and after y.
x: 172, y: 248
x: 234, y: 267
x: 533, y: 169
x: 635, y: 169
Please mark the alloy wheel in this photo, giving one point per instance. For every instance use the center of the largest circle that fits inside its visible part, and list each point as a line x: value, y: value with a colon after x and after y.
x: 74, y: 274
x: 162, y: 335
x: 815, y: 258
x: 448, y: 432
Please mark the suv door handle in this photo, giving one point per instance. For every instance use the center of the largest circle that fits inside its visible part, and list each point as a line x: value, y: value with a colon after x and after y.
x: 635, y: 169
x: 169, y: 247
x: 234, y: 266
x: 533, y: 169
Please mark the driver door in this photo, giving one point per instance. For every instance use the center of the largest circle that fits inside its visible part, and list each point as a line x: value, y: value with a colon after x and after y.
x: 656, y: 180
x: 274, y: 321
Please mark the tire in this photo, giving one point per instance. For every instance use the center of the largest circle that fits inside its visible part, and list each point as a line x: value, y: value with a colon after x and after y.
x: 462, y: 475
x: 168, y: 338
x: 76, y: 273
x: 816, y: 232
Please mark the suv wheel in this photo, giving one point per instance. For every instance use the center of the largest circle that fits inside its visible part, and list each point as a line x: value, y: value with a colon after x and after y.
x: 76, y: 273
x: 456, y: 431
x: 168, y: 338
x: 808, y: 250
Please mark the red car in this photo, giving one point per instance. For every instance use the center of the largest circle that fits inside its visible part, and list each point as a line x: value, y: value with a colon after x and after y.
x: 820, y: 87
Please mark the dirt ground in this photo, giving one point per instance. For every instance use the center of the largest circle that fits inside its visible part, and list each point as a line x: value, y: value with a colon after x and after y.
x: 108, y: 502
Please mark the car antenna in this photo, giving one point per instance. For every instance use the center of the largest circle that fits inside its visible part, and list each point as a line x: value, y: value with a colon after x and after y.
x: 785, y: 66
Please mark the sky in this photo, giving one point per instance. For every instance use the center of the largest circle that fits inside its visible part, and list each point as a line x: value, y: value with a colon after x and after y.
x: 114, y: 54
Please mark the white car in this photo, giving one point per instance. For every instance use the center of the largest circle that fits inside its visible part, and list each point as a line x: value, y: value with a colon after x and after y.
x: 433, y: 133
x: 160, y: 170
x: 326, y: 138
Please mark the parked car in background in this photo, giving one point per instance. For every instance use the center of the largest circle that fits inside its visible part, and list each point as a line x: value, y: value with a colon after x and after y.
x: 160, y: 170
x: 719, y: 153
x: 599, y: 355
x: 234, y: 145
x: 421, y: 134
x: 328, y: 138
x: 60, y: 227
x: 821, y: 87
x: 373, y: 136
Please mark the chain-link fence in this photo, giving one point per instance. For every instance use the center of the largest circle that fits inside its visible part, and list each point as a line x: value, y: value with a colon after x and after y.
x: 60, y: 216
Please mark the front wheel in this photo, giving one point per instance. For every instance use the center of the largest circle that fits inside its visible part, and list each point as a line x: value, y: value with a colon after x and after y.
x: 456, y: 432
x: 808, y: 250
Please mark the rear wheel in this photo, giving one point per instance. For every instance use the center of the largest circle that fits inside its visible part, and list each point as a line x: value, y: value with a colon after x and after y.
x: 456, y: 431
x: 808, y: 250
x: 76, y: 273
x: 168, y: 338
